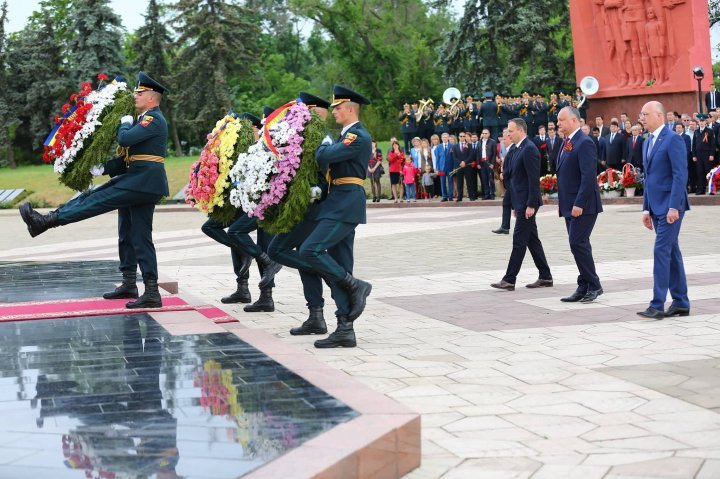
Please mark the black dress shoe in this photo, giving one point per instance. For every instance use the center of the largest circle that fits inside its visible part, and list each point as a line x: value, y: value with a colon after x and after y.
x: 677, y: 311
x: 591, y: 296
x: 573, y: 298
x: 652, y: 313
x: 540, y: 283
x: 504, y: 285
x: 501, y: 231
x: 443, y: 200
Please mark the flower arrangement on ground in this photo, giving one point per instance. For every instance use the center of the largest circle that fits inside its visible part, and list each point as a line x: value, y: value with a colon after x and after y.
x: 274, y: 179
x: 713, y: 178
x: 209, y: 187
x: 548, y: 184
x: 610, y: 180
x: 85, y: 134
x: 632, y: 177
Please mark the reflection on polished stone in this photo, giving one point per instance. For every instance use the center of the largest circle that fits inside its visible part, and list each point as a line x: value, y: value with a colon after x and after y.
x: 118, y: 397
x: 26, y: 281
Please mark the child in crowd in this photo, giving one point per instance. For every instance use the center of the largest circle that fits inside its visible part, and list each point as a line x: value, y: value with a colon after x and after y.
x: 428, y: 182
x: 408, y: 173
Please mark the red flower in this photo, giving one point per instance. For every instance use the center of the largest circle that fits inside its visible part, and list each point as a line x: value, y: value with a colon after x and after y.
x: 65, y: 108
x: 102, y: 77
x: 57, y: 118
x: 474, y: 164
x: 74, y: 97
x: 441, y: 173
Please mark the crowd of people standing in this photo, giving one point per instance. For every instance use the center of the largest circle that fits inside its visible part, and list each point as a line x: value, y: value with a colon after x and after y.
x: 462, y: 150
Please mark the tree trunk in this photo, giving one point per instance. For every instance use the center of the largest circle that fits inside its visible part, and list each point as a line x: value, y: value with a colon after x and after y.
x: 11, y: 158
x: 173, y: 130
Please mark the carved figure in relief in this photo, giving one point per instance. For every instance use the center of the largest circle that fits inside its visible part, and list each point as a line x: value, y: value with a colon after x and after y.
x: 633, y: 14
x: 655, y: 31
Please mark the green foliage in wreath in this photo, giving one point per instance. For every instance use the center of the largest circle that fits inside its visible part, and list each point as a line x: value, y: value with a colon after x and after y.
x: 77, y: 176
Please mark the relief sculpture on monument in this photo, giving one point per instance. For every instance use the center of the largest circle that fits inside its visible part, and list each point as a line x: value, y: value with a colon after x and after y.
x: 639, y: 39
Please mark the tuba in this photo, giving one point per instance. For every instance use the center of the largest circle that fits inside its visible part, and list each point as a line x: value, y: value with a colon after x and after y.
x: 448, y: 96
x: 589, y: 85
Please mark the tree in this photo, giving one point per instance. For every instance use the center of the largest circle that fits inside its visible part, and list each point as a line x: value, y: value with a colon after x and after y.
x: 387, y: 48
x: 214, y: 52
x: 714, y: 12
x: 528, y: 41
x: 7, y: 119
x: 149, y: 46
x: 40, y: 79
x: 96, y: 46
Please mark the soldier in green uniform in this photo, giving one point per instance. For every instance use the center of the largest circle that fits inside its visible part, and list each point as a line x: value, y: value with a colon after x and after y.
x: 138, y: 182
x: 288, y: 242
x: 338, y: 216
x: 239, y: 235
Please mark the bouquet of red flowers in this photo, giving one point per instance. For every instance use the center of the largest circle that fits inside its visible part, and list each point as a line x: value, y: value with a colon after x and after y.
x: 548, y: 184
x: 631, y: 177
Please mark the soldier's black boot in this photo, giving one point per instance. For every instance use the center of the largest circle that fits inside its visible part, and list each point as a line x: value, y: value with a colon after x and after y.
x: 241, y: 295
x: 37, y: 223
x: 342, y: 337
x: 314, y: 324
x: 270, y: 269
x: 264, y: 303
x: 127, y: 289
x: 358, y: 290
x: 149, y: 299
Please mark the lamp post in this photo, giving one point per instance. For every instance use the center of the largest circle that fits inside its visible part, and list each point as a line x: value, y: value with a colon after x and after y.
x: 699, y: 74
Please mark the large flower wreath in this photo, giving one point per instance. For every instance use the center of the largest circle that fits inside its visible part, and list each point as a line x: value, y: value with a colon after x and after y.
x: 83, y: 137
x: 274, y: 179
x: 209, y: 186
x: 610, y: 180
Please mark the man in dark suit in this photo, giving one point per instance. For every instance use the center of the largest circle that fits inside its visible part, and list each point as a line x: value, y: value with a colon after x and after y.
x: 633, y: 151
x: 524, y: 176
x: 486, y: 155
x: 579, y: 201
x: 664, y: 204
x: 615, y: 147
x: 459, y: 154
x: 470, y: 153
x: 703, y: 152
x: 554, y: 146
x: 507, y: 197
x: 712, y: 98
x: 540, y: 141
x: 599, y: 123
x: 137, y: 184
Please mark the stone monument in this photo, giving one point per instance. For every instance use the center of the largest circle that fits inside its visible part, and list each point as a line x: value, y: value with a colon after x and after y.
x: 641, y: 50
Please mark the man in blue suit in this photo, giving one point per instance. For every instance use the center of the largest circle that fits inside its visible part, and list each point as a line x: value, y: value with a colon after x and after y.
x: 524, y: 177
x: 665, y: 201
x: 579, y: 201
x: 445, y: 165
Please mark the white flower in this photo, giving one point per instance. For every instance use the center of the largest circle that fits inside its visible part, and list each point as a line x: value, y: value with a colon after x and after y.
x: 100, y: 100
x: 251, y: 176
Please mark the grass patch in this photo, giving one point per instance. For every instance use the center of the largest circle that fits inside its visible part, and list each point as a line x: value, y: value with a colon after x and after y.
x: 44, y: 182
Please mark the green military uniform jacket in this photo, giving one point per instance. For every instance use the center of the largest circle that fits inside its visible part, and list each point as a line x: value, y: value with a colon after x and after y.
x: 347, y: 158
x: 148, y: 136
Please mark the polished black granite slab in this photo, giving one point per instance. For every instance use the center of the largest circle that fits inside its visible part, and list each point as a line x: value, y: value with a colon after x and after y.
x: 38, y: 281
x: 119, y: 397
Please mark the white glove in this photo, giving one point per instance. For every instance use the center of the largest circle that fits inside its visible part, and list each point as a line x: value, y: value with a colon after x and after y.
x: 97, y: 170
x: 315, y: 193
x: 327, y: 140
x: 127, y: 119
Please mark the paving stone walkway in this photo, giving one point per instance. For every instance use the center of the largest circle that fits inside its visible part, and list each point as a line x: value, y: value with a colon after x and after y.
x: 510, y: 384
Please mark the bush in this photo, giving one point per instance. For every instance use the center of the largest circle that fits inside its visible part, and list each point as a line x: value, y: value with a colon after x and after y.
x: 39, y: 203
x: 5, y: 205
